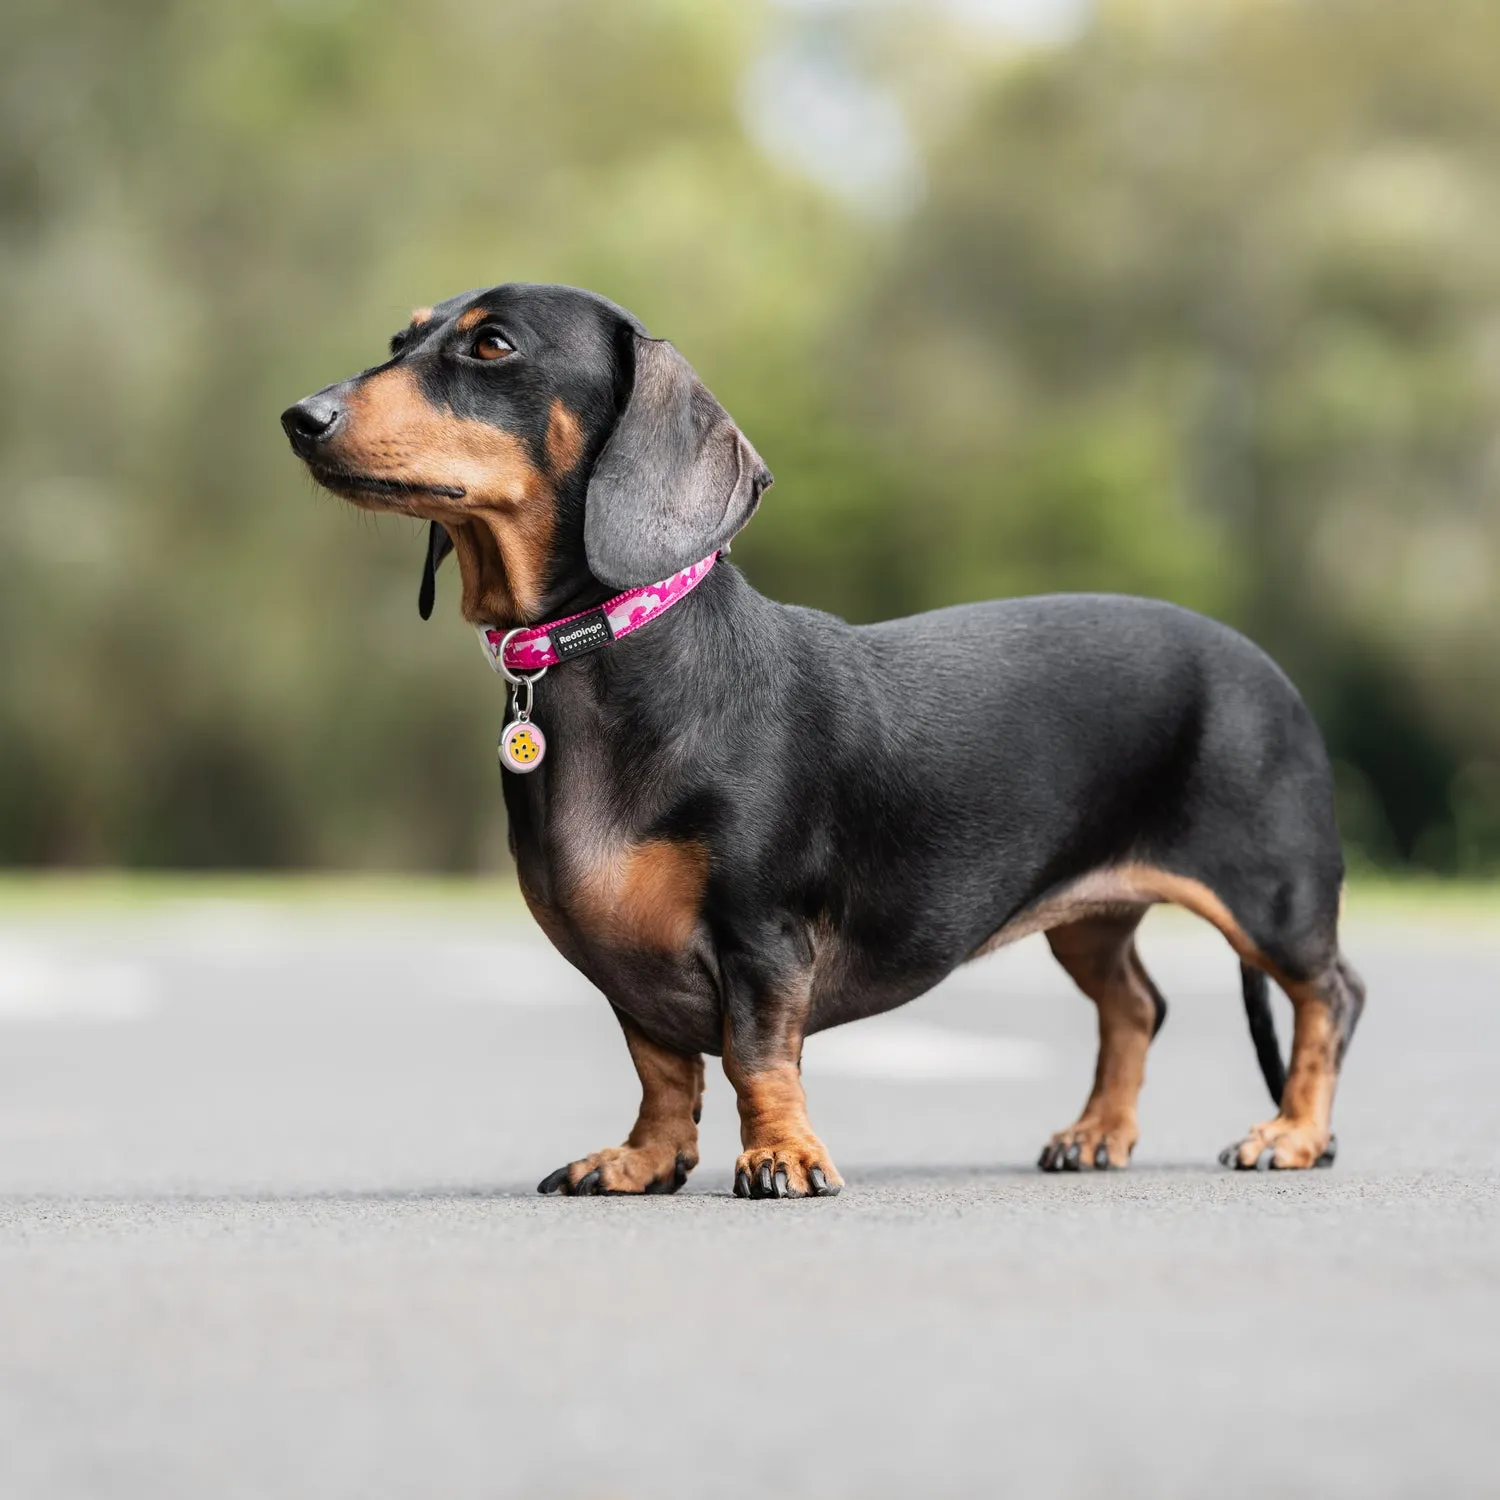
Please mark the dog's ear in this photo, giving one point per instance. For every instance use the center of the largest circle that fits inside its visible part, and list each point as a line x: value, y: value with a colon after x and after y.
x: 676, y: 479
x: 439, y: 545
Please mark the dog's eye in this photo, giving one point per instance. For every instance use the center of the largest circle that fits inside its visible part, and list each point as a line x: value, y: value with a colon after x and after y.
x: 490, y: 345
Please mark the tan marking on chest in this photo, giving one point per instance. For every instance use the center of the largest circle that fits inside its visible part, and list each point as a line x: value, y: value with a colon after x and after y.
x: 646, y: 896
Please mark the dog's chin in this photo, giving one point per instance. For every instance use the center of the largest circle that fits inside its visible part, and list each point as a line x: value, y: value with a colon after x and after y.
x: 376, y: 492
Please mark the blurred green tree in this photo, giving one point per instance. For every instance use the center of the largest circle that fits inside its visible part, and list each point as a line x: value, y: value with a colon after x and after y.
x: 1205, y: 305
x: 1200, y: 304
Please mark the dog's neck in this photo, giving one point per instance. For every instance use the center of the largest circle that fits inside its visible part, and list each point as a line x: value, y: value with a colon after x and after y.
x: 505, y: 575
x: 628, y: 725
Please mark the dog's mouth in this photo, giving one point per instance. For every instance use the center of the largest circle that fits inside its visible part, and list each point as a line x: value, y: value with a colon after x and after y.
x: 358, y: 487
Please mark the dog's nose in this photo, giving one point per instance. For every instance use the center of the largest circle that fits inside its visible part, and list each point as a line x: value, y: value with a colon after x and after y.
x: 309, y: 422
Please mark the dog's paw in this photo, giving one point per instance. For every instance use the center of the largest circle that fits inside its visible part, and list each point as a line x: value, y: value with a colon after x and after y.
x: 1093, y: 1144
x: 1281, y: 1145
x: 789, y: 1169
x: 623, y: 1169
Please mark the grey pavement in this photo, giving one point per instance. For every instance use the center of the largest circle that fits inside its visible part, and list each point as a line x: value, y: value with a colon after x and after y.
x: 268, y: 1228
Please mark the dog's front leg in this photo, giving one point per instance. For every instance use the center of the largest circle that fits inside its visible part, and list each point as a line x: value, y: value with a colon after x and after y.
x: 662, y: 1148
x: 763, y: 1030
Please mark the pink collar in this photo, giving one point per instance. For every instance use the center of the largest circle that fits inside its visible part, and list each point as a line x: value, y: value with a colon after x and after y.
x: 541, y: 646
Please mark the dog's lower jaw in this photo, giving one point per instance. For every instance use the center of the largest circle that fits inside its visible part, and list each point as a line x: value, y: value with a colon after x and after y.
x: 382, y: 492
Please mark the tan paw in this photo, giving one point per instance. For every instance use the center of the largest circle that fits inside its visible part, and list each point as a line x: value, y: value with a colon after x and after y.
x: 623, y: 1169
x: 1281, y: 1145
x: 1094, y: 1143
x: 798, y: 1168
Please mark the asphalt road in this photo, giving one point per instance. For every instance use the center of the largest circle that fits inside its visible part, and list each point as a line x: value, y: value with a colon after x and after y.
x: 268, y: 1228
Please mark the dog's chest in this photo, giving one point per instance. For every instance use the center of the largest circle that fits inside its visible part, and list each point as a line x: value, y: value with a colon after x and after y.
x: 626, y: 910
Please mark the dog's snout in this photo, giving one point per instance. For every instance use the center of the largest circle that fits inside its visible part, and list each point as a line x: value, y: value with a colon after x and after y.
x: 309, y: 422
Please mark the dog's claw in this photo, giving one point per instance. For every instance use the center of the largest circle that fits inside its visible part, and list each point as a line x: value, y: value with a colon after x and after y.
x: 1073, y: 1159
x: 1101, y: 1157
x: 1280, y: 1145
x: 672, y: 1184
x: 553, y: 1180
x: 588, y: 1186
x: 794, y: 1167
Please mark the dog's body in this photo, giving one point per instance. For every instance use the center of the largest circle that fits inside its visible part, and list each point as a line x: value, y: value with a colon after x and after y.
x: 755, y: 821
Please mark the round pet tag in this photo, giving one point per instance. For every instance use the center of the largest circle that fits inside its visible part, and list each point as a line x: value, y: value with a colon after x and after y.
x: 522, y: 746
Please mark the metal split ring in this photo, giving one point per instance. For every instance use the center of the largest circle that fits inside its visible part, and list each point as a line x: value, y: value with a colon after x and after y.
x: 516, y: 677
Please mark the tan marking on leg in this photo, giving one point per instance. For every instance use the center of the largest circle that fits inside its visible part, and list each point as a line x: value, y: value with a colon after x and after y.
x: 1300, y: 1132
x: 471, y: 319
x: 662, y: 1147
x: 774, y: 1128
x: 1194, y: 896
x: 1099, y: 954
x: 645, y: 896
x: 1077, y: 902
x: 564, y: 439
x: 502, y: 525
x: 1117, y: 889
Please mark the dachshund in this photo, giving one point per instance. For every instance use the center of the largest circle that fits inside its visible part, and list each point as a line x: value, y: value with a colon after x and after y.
x: 746, y: 822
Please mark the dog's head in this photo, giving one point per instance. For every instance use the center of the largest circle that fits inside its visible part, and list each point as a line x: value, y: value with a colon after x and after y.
x: 549, y: 441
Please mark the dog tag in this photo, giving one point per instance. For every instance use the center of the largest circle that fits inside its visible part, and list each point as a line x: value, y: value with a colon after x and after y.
x: 522, y: 746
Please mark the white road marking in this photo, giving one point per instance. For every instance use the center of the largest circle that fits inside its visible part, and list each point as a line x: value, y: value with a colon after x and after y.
x: 520, y: 973
x: 916, y: 1052
x: 38, y: 985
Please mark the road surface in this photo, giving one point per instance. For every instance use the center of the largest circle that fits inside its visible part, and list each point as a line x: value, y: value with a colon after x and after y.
x: 268, y: 1227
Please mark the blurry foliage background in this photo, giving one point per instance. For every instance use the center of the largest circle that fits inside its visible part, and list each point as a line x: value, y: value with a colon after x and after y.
x: 1196, y: 299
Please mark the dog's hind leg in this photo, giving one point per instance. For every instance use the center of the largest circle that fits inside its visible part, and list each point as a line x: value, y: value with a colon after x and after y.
x: 1099, y: 953
x: 1326, y: 1010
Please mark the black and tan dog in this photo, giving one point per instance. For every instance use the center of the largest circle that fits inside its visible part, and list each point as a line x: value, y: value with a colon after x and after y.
x: 756, y: 821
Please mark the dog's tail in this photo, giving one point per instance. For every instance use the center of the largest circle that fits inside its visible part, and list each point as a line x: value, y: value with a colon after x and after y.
x: 1256, y: 989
